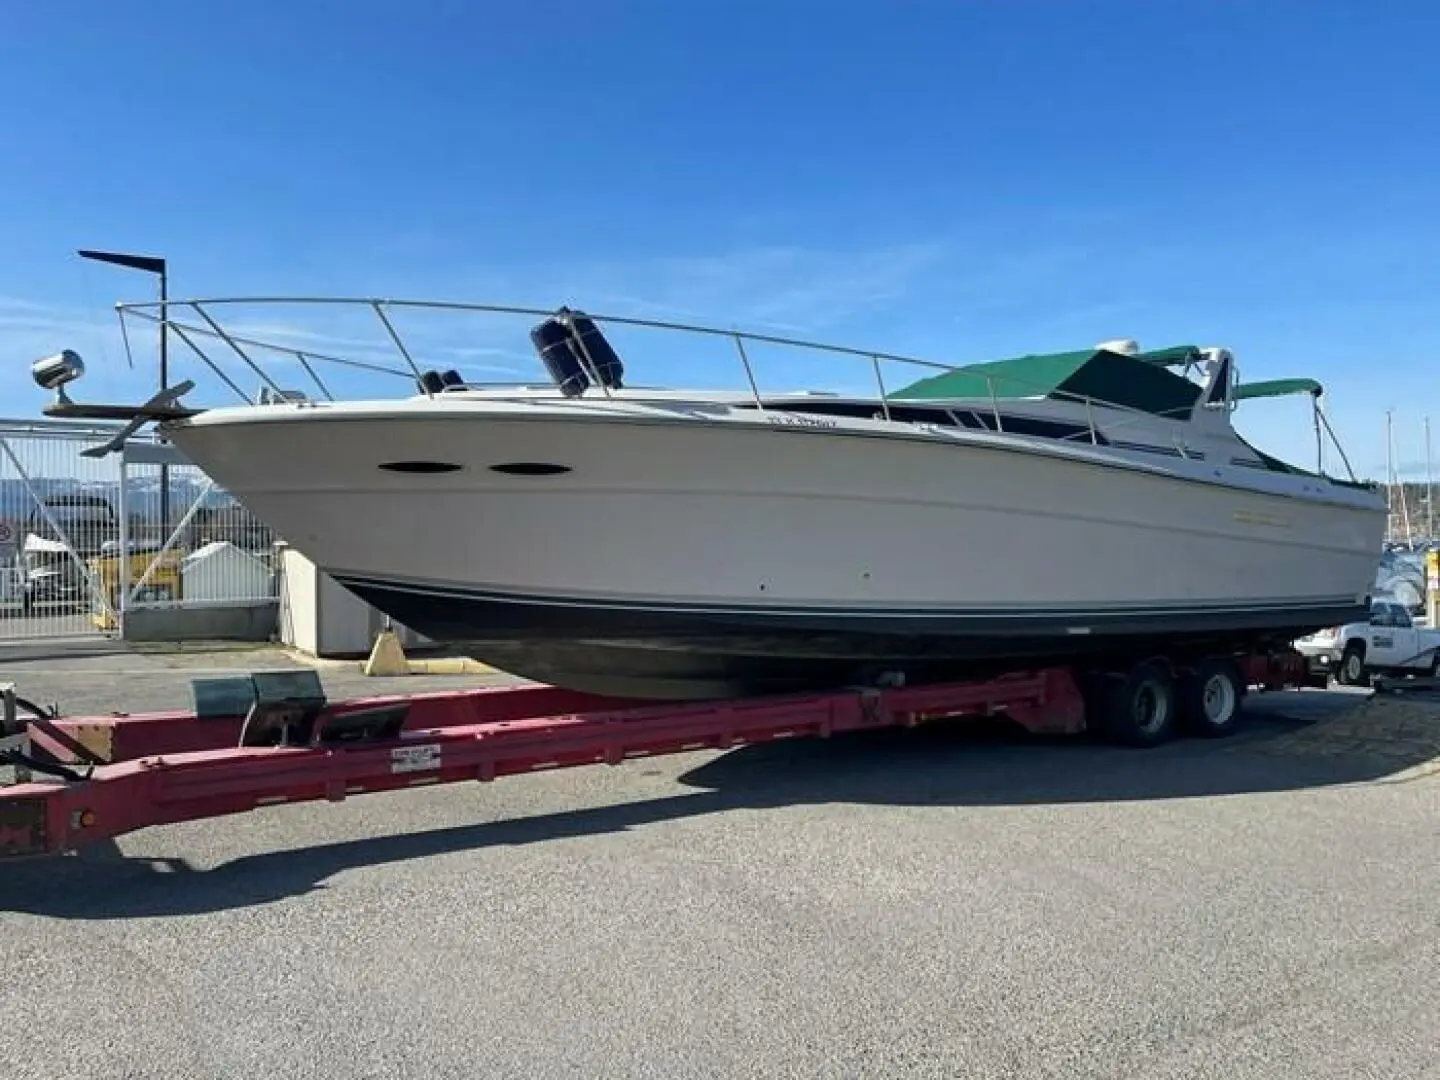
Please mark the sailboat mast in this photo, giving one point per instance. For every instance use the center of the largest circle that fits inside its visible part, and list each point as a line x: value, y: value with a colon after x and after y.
x: 1429, y: 489
x: 1389, y: 479
x: 1399, y: 484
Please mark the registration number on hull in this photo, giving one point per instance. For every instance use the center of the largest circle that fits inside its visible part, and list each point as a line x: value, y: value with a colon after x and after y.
x: 792, y: 420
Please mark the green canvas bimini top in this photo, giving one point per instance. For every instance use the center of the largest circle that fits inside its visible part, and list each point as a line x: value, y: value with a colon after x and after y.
x: 1142, y: 381
x: 1277, y: 388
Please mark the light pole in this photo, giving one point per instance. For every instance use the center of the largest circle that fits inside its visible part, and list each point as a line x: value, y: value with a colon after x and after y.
x: 150, y: 264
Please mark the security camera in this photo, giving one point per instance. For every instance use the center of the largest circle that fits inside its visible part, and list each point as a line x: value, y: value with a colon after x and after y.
x: 55, y: 371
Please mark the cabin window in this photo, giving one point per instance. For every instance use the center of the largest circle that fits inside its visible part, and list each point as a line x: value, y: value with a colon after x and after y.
x: 977, y: 420
x: 1027, y: 425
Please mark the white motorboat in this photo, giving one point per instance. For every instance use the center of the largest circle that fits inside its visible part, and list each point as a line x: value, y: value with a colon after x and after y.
x: 675, y: 543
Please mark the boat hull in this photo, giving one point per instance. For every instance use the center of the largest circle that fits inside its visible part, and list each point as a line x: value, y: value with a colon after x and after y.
x: 664, y: 555
x: 651, y: 652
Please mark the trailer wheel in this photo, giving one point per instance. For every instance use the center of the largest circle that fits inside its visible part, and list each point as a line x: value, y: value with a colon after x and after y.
x: 1210, y: 698
x: 1139, y: 709
x: 1352, y: 666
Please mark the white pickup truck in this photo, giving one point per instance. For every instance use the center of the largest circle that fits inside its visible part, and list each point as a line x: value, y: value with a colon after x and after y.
x: 1390, y: 643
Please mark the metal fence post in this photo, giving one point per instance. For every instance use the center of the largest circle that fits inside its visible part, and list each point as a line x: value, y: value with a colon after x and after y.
x: 122, y: 578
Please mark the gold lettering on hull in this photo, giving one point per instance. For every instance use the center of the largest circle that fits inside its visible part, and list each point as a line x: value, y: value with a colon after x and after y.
x: 1255, y: 517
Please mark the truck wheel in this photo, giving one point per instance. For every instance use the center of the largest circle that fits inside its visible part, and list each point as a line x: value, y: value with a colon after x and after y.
x: 1139, y: 710
x: 1352, y: 666
x: 1210, y: 696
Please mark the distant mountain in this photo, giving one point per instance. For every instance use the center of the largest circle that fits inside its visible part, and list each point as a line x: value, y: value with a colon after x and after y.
x: 142, y: 495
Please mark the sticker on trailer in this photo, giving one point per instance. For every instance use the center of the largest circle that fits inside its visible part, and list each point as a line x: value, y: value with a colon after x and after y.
x: 415, y: 758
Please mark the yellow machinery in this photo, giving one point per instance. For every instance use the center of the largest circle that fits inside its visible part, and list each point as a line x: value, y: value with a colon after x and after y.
x: 1432, y: 587
x: 162, y: 583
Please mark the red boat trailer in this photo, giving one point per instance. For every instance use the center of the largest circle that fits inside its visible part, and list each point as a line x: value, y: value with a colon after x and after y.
x: 272, y: 738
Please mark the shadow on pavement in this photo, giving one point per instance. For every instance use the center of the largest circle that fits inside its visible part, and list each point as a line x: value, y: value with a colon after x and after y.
x: 940, y: 765
x: 43, y: 650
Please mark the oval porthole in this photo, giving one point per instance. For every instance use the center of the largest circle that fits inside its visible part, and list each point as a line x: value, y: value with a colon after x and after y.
x: 530, y: 468
x: 420, y: 467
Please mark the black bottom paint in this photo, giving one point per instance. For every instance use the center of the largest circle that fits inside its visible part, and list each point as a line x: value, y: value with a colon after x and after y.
x: 670, y: 654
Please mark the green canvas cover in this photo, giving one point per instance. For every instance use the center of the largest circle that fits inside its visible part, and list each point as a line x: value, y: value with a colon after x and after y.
x: 1277, y: 388
x: 1024, y: 376
x: 1142, y: 381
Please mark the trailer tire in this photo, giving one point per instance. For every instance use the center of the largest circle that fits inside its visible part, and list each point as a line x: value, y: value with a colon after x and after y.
x: 1210, y: 697
x: 1139, y: 708
x: 1352, y: 671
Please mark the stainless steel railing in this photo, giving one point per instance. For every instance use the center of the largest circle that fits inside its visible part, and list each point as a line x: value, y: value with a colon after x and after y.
x: 243, y: 345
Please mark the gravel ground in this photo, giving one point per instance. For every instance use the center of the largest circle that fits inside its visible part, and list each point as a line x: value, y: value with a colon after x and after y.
x: 932, y: 903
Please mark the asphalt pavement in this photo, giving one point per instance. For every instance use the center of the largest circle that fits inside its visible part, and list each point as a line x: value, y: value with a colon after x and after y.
x: 943, y: 902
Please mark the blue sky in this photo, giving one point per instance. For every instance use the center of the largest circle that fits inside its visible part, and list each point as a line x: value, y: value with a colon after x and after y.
x: 959, y: 181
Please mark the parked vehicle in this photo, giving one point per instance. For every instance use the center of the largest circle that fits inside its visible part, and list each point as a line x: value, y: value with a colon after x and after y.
x: 87, y: 520
x: 53, y: 575
x: 1389, y: 643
